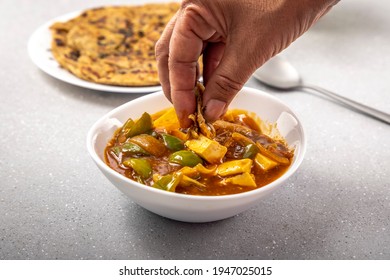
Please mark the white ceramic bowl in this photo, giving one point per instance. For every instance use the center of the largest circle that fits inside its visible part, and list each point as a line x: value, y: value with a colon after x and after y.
x: 191, y: 208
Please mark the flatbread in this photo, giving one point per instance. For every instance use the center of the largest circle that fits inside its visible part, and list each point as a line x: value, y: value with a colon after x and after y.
x: 112, y: 45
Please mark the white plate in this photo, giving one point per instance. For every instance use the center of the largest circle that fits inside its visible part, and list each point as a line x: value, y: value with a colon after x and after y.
x: 39, y: 50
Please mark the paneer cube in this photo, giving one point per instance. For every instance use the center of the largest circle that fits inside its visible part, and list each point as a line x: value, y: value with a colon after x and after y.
x: 264, y: 163
x: 167, y: 121
x: 208, y: 149
x: 235, y: 167
x: 245, y: 180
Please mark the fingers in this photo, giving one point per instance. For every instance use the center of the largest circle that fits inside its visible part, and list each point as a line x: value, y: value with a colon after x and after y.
x: 162, y: 57
x: 189, y: 33
x: 236, y: 39
x: 226, y: 81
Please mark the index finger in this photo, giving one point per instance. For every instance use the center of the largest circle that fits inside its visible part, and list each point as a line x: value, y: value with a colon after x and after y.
x: 162, y: 56
x: 184, y: 50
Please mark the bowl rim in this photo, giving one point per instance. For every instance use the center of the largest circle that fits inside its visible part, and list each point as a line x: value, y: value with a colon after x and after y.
x: 102, y: 165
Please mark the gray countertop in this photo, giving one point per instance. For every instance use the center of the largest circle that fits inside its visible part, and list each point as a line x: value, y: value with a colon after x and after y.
x: 55, y: 204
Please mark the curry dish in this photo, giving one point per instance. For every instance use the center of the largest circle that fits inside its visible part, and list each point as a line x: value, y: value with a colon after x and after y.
x: 231, y: 155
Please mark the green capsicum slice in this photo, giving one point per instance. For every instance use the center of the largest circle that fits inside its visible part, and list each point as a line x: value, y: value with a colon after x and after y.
x: 173, y: 143
x: 140, y: 166
x: 250, y: 151
x: 185, y: 158
x: 143, y: 125
x: 168, y: 182
x: 133, y: 149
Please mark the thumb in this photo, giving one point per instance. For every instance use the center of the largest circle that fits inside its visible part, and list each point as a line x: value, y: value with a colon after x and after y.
x: 227, y: 80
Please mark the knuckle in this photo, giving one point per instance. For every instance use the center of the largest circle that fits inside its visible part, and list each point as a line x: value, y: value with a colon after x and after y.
x: 191, y: 13
x: 178, y: 63
x: 227, y: 87
x: 186, y: 3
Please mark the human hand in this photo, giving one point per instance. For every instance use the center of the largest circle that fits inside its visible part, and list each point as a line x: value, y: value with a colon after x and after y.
x: 235, y: 37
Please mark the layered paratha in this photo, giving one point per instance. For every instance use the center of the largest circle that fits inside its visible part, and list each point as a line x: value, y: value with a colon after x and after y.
x: 112, y: 45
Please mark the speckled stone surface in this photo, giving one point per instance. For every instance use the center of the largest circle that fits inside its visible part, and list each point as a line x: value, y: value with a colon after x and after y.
x: 55, y: 204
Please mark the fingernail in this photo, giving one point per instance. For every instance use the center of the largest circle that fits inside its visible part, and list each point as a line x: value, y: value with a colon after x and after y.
x: 214, y: 109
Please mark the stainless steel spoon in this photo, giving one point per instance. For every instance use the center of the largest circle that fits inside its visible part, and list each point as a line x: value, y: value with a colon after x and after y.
x: 280, y: 74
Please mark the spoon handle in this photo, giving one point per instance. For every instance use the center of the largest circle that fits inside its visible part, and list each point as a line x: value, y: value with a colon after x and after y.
x: 356, y: 105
